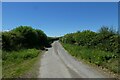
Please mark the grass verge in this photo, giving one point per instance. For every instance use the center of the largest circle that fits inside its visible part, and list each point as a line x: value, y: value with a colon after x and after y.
x: 107, y: 60
x: 18, y: 63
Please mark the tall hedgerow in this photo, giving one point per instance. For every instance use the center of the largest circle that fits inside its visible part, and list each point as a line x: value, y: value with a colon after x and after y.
x: 23, y: 37
x: 106, y: 39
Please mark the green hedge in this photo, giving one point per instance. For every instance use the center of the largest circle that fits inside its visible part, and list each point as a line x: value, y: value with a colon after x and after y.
x: 106, y: 39
x: 23, y: 37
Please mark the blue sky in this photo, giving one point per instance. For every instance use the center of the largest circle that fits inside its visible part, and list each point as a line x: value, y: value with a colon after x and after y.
x: 57, y: 19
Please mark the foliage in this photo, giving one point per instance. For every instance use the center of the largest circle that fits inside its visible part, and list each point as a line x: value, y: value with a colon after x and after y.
x: 23, y: 37
x: 106, y: 39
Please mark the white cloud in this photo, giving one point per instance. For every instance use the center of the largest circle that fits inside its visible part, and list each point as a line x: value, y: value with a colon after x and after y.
x: 5, y: 30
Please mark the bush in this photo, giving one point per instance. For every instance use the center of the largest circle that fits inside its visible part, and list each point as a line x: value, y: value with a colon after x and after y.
x: 23, y: 37
x: 106, y: 39
x: 11, y: 40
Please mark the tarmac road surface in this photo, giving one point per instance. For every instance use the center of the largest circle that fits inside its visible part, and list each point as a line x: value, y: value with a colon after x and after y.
x: 57, y: 63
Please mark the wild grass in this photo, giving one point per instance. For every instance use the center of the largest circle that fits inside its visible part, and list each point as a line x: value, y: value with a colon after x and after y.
x: 17, y: 63
x: 107, y: 60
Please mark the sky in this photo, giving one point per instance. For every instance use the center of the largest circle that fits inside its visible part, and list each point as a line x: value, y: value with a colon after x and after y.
x: 60, y: 0
x: 59, y: 18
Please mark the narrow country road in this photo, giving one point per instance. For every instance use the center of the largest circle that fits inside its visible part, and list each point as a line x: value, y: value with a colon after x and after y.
x: 57, y: 63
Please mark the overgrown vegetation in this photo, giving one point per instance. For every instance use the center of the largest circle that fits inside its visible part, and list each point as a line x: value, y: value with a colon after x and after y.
x: 100, y: 48
x: 23, y: 37
x: 17, y: 63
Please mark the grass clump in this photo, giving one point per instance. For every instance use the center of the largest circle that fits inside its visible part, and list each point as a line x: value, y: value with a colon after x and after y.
x: 17, y: 63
